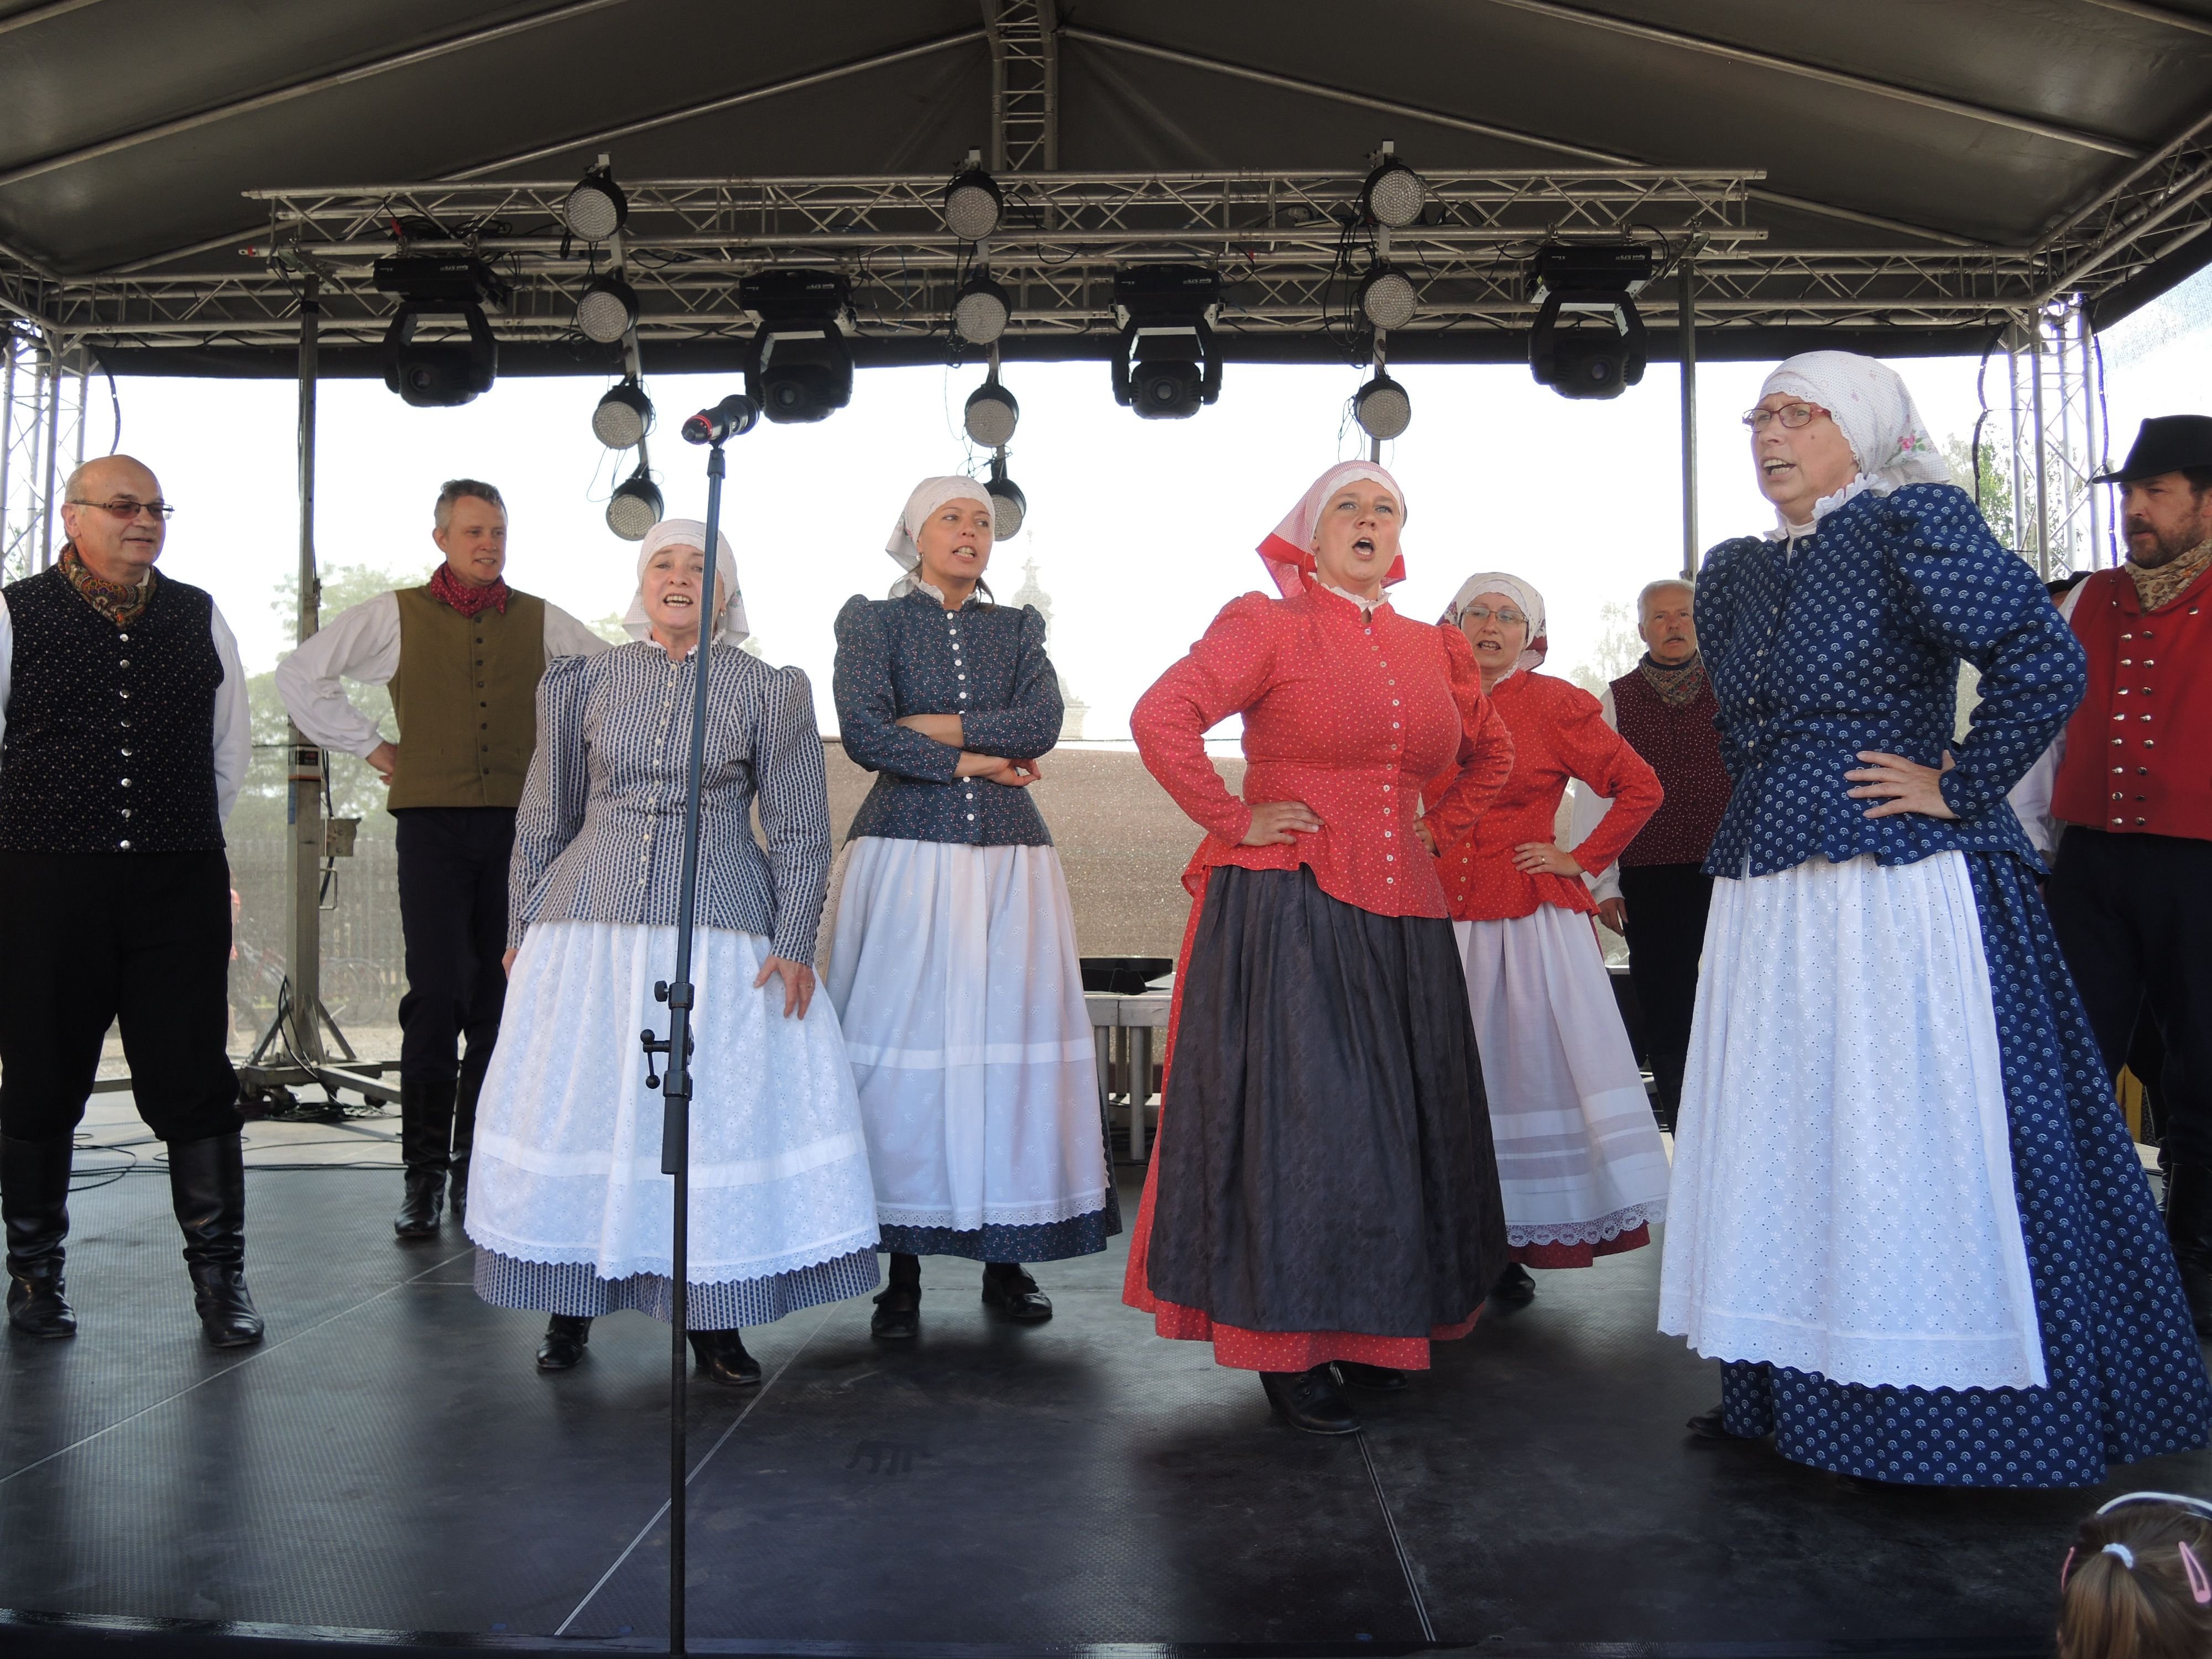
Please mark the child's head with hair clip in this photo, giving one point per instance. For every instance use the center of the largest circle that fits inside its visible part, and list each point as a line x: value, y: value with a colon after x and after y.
x: 2137, y: 1583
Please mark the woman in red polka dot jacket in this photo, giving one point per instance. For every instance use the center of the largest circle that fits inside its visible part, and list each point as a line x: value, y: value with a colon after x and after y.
x: 1323, y: 1199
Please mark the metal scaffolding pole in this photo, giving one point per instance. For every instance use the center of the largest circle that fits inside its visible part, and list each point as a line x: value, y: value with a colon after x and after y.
x: 1686, y: 330
x: 303, y: 843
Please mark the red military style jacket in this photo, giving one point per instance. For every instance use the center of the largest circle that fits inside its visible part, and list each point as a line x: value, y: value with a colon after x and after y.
x: 2138, y: 752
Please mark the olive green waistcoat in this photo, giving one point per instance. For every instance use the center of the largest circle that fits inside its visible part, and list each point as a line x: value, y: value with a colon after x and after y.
x: 466, y: 700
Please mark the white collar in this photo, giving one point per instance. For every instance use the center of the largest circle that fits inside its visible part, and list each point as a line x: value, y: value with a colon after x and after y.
x: 1367, y: 607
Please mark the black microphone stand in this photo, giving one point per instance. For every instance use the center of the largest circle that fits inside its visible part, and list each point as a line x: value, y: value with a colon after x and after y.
x: 676, y: 1087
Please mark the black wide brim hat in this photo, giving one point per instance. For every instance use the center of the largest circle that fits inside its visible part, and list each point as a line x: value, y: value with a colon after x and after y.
x: 2164, y: 443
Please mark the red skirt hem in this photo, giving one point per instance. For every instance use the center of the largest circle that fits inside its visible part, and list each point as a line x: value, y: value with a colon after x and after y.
x: 1579, y: 1255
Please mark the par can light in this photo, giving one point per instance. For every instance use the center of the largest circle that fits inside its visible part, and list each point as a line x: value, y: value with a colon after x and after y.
x: 1009, y: 507
x: 1383, y: 408
x: 1394, y: 194
x: 991, y: 415
x: 1387, y: 298
x: 596, y: 209
x: 981, y: 310
x: 636, y: 507
x: 972, y: 204
x: 607, y: 309
x: 624, y: 417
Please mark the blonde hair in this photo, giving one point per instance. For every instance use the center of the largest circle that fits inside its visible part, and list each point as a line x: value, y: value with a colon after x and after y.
x: 2135, y: 1584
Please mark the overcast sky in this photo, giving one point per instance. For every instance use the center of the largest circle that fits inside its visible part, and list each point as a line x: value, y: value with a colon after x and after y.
x: 1140, y: 530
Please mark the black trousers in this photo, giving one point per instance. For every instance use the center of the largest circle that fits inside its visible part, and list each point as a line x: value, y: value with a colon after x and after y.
x: 1666, y: 933
x: 2134, y: 916
x: 452, y: 915
x: 90, y: 939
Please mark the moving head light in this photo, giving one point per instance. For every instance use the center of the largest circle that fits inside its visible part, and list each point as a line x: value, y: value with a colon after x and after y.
x: 440, y: 374
x: 1167, y: 362
x: 1588, y: 339
x: 801, y: 367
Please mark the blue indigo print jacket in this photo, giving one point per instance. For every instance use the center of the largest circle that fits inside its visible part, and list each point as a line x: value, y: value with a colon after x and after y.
x: 1852, y: 639
x: 985, y: 663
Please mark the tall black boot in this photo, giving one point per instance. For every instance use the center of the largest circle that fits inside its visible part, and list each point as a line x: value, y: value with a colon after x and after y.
x: 34, y: 1177
x: 473, y: 1068
x: 897, y: 1316
x: 207, y: 1186
x: 2188, y: 1225
x: 426, y: 1134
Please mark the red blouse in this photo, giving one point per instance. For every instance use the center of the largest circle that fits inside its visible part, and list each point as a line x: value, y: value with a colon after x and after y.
x: 1346, y: 715
x: 1559, y: 733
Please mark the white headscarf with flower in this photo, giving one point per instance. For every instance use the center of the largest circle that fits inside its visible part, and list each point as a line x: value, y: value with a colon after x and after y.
x: 1868, y: 403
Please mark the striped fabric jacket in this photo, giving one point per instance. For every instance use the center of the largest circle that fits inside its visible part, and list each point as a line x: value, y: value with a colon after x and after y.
x: 599, y: 833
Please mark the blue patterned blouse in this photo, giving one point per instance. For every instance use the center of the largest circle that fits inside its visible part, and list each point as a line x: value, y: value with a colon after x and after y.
x: 985, y: 663
x: 1852, y: 639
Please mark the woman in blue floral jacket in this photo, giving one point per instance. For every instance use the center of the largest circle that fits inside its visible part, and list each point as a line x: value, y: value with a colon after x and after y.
x: 953, y: 963
x: 1906, y: 1213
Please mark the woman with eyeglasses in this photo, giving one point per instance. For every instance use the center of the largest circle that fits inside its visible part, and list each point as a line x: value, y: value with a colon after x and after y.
x: 1906, y: 1213
x: 1323, y: 1202
x: 1580, y: 1163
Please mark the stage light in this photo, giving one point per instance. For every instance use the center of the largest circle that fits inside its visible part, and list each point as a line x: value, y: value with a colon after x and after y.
x: 991, y: 415
x: 981, y: 310
x: 1383, y: 408
x: 444, y: 374
x: 1009, y: 507
x: 1166, y: 363
x: 1588, y: 339
x: 1387, y: 298
x: 972, y: 203
x: 596, y: 209
x: 801, y: 367
x: 636, y: 507
x: 1394, y: 194
x: 607, y: 309
x: 624, y: 417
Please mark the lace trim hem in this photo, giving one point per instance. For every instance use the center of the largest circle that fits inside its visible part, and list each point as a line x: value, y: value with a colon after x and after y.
x: 1604, y: 1230
x: 703, y: 1271
x: 941, y: 1217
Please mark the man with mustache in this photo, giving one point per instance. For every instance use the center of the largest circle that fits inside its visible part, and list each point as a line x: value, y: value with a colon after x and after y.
x: 1657, y: 894
x: 463, y: 654
x: 125, y: 736
x: 2130, y: 890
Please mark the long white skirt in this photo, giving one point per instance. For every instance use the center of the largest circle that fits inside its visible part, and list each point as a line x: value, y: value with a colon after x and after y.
x: 1580, y: 1162
x: 567, y: 1160
x: 1843, y: 1200
x: 954, y: 973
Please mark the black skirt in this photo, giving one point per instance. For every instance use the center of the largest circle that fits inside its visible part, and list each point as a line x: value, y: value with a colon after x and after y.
x: 1324, y: 1162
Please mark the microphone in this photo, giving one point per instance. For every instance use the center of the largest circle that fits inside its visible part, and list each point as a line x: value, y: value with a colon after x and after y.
x: 732, y: 417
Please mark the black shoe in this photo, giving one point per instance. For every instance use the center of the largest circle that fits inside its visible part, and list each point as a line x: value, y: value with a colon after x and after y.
x: 1310, y: 1401
x: 207, y: 1187
x: 1014, y: 1293
x: 722, y: 1358
x: 1713, y: 1426
x: 34, y: 1177
x: 1516, y: 1287
x: 425, y: 1203
x: 426, y: 1134
x: 1381, y: 1378
x: 566, y: 1336
x: 898, y: 1317
x: 2188, y: 1225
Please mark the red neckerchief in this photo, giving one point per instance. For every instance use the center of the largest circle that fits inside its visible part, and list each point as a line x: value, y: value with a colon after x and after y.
x: 449, y: 589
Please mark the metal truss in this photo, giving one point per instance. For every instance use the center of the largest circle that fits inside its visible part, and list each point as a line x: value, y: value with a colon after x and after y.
x: 2057, y: 441
x: 1025, y: 86
x: 43, y: 382
x: 2163, y: 201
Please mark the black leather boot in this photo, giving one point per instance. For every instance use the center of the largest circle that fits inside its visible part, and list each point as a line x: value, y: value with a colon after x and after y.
x: 207, y: 1186
x: 898, y: 1317
x: 1516, y: 1287
x: 1012, y: 1292
x: 1310, y: 1401
x: 425, y: 1132
x: 465, y: 1132
x: 2188, y: 1225
x: 722, y: 1358
x: 1383, y: 1379
x: 34, y: 1177
x: 566, y: 1336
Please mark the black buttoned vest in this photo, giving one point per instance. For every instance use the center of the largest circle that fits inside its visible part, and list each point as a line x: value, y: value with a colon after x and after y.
x: 110, y: 740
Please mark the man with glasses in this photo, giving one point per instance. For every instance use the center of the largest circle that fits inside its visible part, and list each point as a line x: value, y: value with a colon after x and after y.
x: 463, y: 654
x: 1657, y: 894
x: 125, y: 736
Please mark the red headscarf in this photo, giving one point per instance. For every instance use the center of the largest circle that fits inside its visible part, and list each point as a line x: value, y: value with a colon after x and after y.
x: 1288, y: 553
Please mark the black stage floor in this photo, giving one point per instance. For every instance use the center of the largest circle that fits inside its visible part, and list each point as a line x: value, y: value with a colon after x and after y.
x: 391, y: 1461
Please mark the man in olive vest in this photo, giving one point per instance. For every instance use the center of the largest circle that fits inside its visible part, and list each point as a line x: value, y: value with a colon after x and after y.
x: 463, y: 655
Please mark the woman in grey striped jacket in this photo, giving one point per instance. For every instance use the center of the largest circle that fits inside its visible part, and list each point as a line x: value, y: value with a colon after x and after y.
x: 568, y: 1206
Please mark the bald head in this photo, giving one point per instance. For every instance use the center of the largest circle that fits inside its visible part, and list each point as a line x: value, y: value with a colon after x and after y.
x: 118, y: 546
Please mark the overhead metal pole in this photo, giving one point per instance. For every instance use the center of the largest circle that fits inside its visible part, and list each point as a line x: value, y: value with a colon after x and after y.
x: 51, y: 380
x: 2042, y: 450
x: 303, y: 843
x: 1686, y: 329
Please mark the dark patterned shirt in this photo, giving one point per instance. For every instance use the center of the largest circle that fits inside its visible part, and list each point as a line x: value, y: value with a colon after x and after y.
x: 1851, y: 640
x: 982, y: 662
x: 599, y: 833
